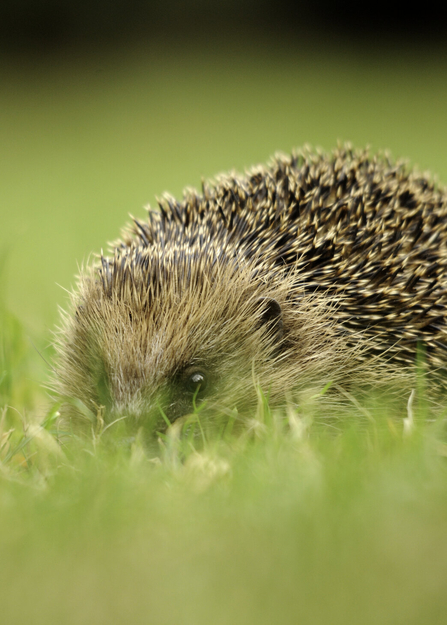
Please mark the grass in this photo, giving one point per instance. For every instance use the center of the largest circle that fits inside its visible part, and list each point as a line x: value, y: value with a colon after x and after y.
x: 298, y: 520
x: 289, y: 522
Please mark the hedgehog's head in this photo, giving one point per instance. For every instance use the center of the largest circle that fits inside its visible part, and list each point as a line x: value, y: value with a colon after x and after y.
x: 155, y: 333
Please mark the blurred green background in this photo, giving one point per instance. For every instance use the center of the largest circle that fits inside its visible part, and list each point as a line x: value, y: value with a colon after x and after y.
x: 102, y: 110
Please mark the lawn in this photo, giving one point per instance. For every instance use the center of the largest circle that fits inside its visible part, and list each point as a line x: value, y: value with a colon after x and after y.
x: 302, y: 518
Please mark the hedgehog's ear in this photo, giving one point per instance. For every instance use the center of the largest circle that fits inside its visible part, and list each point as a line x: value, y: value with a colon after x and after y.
x: 272, y: 316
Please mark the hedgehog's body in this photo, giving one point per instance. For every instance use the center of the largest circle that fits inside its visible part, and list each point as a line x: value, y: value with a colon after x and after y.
x: 288, y: 276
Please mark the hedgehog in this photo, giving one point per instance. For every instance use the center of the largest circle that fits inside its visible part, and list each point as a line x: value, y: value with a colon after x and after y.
x: 318, y: 268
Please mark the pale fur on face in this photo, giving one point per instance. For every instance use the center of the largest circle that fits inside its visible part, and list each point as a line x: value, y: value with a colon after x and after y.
x: 143, y: 318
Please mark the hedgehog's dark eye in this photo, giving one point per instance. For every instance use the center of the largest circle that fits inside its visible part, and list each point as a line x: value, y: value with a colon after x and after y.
x: 195, y: 381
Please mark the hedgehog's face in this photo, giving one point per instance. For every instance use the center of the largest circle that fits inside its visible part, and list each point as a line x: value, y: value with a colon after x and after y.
x: 155, y: 337
x: 156, y: 351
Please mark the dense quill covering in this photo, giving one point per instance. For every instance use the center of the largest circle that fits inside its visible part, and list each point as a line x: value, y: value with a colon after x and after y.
x: 315, y: 268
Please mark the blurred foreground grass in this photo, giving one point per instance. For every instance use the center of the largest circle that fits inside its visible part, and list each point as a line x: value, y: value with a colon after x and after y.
x: 291, y: 522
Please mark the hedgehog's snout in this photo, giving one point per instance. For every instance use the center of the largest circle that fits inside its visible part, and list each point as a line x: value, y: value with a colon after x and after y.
x: 135, y: 398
